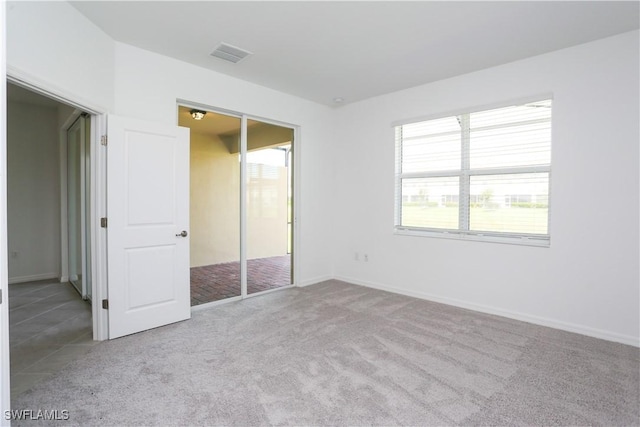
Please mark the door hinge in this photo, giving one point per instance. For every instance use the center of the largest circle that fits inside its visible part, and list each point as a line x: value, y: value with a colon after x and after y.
x: 105, y: 304
x: 103, y: 222
x: 0, y: 296
x: 103, y: 140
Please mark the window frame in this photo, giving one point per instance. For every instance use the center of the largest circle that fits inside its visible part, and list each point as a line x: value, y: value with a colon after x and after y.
x: 465, y: 172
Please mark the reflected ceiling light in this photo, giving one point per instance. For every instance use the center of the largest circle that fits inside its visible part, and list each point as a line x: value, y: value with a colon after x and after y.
x: 197, y: 114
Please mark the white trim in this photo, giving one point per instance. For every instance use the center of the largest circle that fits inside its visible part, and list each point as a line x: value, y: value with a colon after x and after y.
x: 477, y: 172
x: 5, y: 367
x: 297, y: 198
x: 243, y: 205
x: 34, y: 277
x: 520, y: 240
x: 474, y: 109
x: 314, y: 281
x: 536, y: 320
x: 212, y: 304
x: 34, y: 84
x: 98, y: 207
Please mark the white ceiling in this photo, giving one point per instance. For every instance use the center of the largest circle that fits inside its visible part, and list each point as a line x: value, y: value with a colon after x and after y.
x: 356, y: 50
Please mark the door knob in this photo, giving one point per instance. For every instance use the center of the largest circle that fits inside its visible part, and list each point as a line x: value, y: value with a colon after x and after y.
x: 183, y: 234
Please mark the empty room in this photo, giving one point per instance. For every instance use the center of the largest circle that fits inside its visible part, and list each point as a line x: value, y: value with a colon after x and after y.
x: 326, y: 213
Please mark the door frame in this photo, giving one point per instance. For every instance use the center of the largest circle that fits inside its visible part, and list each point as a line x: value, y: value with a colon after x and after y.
x: 5, y: 367
x: 295, y: 177
x: 97, y: 202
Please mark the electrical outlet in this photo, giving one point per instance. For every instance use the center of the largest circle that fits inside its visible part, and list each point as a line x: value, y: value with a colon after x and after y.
x: 356, y: 256
x: 14, y: 254
x: 366, y: 258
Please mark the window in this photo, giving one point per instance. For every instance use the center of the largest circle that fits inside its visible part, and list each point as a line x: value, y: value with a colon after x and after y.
x: 480, y: 175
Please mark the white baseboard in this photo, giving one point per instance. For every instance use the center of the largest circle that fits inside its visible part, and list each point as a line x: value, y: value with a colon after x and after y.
x: 536, y: 320
x: 208, y: 305
x: 32, y: 278
x: 313, y: 281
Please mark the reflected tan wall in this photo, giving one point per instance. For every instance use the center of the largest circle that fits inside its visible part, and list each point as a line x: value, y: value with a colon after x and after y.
x: 215, y: 209
x: 266, y: 211
x: 215, y: 206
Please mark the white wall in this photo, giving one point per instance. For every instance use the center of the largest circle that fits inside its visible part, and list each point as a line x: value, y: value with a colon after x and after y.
x: 50, y: 42
x: 33, y: 192
x: 147, y: 86
x: 587, y: 281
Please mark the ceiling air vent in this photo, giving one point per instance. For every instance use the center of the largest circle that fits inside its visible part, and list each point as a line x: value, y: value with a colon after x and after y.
x: 230, y: 53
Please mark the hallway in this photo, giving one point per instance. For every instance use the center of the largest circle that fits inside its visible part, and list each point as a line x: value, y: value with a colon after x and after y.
x: 49, y: 328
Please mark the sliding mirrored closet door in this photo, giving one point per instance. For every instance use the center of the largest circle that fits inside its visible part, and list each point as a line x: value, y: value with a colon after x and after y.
x: 78, y: 197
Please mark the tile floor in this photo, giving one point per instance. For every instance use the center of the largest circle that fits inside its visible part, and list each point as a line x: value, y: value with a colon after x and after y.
x: 219, y: 281
x: 49, y: 327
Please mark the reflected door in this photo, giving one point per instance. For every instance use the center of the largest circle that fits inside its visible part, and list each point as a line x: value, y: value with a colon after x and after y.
x: 269, y: 213
x: 214, y: 205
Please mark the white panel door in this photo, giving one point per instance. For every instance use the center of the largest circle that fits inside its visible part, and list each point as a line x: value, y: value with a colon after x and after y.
x: 148, y: 223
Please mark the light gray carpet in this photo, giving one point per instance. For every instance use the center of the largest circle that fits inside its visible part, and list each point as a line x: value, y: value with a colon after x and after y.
x: 340, y: 354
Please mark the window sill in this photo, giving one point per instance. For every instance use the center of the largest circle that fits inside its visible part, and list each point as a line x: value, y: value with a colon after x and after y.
x: 476, y: 237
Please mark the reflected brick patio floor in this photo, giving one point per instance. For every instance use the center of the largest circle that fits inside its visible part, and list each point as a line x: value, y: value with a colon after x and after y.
x: 219, y: 281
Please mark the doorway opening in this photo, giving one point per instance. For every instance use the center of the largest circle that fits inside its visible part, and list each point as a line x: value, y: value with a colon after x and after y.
x: 48, y: 152
x: 241, y: 214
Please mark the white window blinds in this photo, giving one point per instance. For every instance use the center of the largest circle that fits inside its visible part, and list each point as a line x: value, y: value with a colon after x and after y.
x: 483, y: 173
